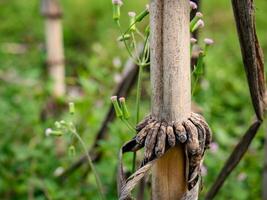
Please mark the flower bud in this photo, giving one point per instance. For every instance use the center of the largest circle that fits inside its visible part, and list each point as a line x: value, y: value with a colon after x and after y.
x: 193, y: 22
x: 62, y: 123
x: 208, y: 42
x: 48, y: 132
x: 116, y: 106
x: 199, y: 15
x: 117, y: 2
x: 143, y: 14
x: 199, y: 24
x: 193, y: 5
x: 72, y: 151
x: 57, y: 124
x: 58, y: 171
x: 71, y: 108
x: 125, y: 111
x: 124, y: 37
x: 132, y: 21
x: 116, y: 9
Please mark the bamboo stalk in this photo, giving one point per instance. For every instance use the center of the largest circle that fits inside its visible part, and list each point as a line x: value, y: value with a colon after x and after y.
x: 54, y: 45
x: 171, y: 86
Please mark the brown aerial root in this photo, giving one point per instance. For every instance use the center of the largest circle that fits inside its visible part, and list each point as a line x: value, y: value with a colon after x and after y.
x: 158, y: 136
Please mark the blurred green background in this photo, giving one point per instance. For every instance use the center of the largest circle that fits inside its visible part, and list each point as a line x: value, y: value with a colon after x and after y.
x: 94, y: 59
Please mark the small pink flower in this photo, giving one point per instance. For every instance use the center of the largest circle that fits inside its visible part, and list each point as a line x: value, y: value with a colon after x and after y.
x: 242, y: 176
x: 117, y: 2
x: 193, y: 5
x: 113, y: 98
x: 208, y: 41
x: 200, y: 23
x: 122, y: 99
x: 199, y: 14
x: 214, y: 147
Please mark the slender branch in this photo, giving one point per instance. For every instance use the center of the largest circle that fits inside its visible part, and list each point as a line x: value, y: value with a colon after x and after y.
x: 234, y: 159
x: 254, y: 67
x: 251, y: 52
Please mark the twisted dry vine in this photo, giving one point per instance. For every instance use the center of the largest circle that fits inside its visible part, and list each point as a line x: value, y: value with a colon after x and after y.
x: 157, y: 137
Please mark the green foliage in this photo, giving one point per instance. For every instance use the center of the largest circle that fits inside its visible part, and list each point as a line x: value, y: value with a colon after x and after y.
x: 29, y: 161
x: 68, y: 128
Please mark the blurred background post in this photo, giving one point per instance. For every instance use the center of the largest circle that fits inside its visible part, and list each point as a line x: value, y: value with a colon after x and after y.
x: 52, y: 13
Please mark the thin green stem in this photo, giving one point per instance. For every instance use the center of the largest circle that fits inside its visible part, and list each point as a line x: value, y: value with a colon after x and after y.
x: 138, y: 93
x: 140, y: 73
x: 98, y: 181
x: 128, y: 124
x: 126, y: 45
x: 195, y: 84
x: 129, y: 28
x: 135, y: 46
x: 146, y: 64
x: 147, y: 54
x: 138, y: 96
x: 140, y: 34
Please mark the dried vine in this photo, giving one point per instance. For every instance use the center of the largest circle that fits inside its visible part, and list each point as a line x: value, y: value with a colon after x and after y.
x: 156, y: 137
x: 254, y: 67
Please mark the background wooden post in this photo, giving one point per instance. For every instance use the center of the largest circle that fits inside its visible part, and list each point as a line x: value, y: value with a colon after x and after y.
x: 171, y: 89
x: 54, y: 45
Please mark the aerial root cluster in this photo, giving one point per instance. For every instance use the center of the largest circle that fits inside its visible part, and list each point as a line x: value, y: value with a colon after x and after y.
x: 158, y: 136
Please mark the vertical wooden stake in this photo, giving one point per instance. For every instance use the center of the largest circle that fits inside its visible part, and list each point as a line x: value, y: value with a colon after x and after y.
x: 171, y: 89
x: 55, y: 54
